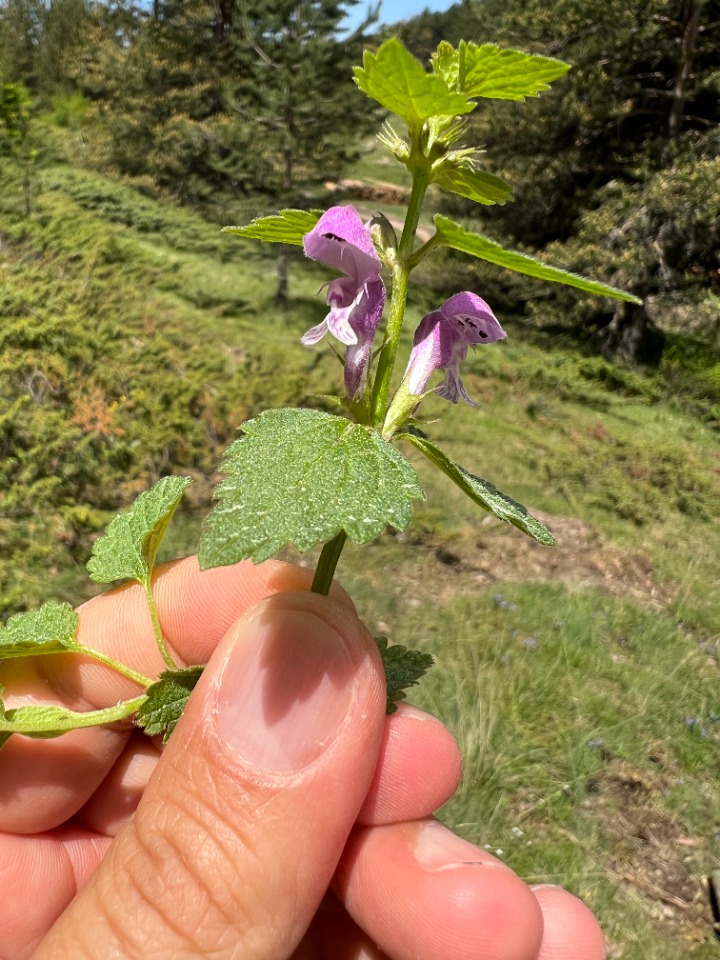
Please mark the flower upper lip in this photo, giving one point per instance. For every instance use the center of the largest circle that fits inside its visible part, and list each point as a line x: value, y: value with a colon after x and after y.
x: 340, y: 239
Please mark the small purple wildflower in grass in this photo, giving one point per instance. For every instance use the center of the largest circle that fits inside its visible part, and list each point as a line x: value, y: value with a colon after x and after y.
x: 441, y: 343
x: 530, y: 643
x: 340, y: 239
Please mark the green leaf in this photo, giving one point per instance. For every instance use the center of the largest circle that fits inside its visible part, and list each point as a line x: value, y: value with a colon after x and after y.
x: 129, y: 545
x: 474, y: 184
x: 300, y: 477
x: 165, y: 701
x: 43, y: 722
x: 403, y: 669
x: 481, y: 491
x: 288, y: 226
x: 49, y: 629
x: 477, y: 245
x: 489, y: 71
x: 399, y: 82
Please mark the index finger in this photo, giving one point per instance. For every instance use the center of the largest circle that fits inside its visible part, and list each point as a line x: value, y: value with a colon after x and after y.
x: 46, y: 781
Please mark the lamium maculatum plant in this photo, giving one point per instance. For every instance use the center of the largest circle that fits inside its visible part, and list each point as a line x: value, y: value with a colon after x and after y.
x: 306, y: 477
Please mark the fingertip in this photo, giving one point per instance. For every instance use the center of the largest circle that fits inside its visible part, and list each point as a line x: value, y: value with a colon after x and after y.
x: 197, y: 607
x: 571, y: 930
x: 422, y: 893
x: 418, y: 770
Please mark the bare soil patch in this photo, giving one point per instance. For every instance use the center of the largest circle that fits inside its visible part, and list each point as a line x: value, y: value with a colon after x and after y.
x: 651, y: 853
x: 582, y: 558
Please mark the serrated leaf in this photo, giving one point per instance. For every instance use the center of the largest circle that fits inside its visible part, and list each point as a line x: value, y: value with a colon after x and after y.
x: 492, y: 72
x: 288, y: 226
x: 165, y: 701
x: 129, y: 545
x: 300, y: 477
x: 49, y: 629
x: 502, y: 74
x: 482, y: 491
x: 477, y: 245
x: 475, y: 185
x: 403, y: 669
x: 43, y: 722
x: 399, y: 82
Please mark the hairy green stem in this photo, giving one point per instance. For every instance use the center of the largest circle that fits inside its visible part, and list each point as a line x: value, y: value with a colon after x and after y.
x: 325, y: 569
x: 421, y: 181
x: 398, y: 299
x: 386, y: 360
x: 115, y: 665
x: 159, y: 638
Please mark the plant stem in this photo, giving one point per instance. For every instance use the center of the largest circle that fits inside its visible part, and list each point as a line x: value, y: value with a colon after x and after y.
x: 115, y: 665
x: 325, y: 569
x: 386, y: 360
x: 421, y: 181
x: 398, y: 299
x: 159, y: 638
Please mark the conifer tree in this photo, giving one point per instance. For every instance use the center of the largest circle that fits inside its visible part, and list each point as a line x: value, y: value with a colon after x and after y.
x: 289, y: 92
x: 288, y: 89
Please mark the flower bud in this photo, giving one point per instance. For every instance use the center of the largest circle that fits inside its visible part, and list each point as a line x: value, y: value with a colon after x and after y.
x: 385, y: 239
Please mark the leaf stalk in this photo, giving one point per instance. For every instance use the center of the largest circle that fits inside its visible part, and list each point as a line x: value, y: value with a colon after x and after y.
x: 159, y: 638
x: 115, y: 665
x: 325, y: 570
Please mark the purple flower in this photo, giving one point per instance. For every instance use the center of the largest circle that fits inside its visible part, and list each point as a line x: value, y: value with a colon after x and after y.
x: 356, y: 300
x: 441, y: 342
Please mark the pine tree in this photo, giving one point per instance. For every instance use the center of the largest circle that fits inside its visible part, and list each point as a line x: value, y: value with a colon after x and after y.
x: 297, y: 115
x: 39, y: 40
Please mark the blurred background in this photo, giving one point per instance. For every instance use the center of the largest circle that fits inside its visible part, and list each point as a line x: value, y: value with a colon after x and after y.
x: 135, y: 338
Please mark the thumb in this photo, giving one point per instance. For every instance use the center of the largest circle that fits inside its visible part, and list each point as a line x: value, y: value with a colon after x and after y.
x: 240, y: 829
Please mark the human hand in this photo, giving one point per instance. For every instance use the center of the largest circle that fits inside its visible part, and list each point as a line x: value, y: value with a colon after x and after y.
x: 287, y: 817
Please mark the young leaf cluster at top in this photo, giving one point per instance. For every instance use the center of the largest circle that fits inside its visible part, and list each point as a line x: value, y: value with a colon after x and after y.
x: 305, y: 478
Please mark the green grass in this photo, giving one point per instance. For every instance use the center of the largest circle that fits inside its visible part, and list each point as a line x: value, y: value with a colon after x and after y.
x: 581, y: 682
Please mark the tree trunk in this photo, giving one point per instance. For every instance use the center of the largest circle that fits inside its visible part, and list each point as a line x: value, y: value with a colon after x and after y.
x: 223, y: 20
x: 631, y: 336
x: 689, y: 40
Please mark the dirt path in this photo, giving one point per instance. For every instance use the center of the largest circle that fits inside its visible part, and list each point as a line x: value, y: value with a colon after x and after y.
x: 582, y: 557
x: 368, y: 195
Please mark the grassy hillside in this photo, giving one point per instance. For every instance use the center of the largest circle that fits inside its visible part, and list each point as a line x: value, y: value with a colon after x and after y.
x: 582, y: 681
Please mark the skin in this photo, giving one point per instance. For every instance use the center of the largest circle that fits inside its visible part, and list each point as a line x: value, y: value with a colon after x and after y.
x: 220, y: 845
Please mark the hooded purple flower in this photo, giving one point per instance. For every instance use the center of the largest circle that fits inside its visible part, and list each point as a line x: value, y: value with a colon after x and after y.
x: 356, y: 300
x: 441, y: 342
